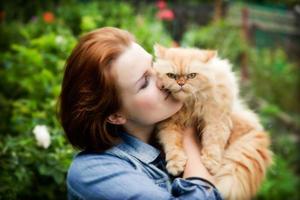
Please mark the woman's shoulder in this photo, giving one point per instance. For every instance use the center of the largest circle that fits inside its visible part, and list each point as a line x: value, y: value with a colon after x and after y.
x: 90, y: 167
x: 107, y: 176
x: 91, y: 162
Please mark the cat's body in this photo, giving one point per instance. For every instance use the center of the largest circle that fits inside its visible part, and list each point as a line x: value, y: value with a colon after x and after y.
x: 234, y: 146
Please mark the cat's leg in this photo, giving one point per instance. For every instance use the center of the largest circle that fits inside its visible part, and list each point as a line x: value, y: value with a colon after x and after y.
x: 214, y: 110
x: 170, y: 136
x: 214, y: 137
x: 216, y: 132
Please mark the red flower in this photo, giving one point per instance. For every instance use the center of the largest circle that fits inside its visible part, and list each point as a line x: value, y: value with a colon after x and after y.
x: 165, y: 14
x: 48, y: 17
x: 2, y: 15
x: 161, y: 4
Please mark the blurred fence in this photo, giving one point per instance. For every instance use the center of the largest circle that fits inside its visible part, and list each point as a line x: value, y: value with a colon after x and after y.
x: 263, y: 25
x: 268, y: 26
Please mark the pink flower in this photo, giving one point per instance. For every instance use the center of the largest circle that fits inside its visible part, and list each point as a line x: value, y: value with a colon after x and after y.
x: 165, y: 14
x: 161, y: 4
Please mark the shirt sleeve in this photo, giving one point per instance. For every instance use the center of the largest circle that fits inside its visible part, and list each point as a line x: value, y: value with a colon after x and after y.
x: 194, y: 188
x: 115, y: 180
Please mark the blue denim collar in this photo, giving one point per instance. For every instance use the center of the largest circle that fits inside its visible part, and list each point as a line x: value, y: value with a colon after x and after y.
x: 137, y: 148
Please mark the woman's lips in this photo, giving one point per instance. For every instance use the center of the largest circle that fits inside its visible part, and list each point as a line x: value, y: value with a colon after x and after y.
x: 168, y: 93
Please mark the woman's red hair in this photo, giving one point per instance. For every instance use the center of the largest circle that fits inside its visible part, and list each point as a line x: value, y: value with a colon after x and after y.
x: 89, y: 93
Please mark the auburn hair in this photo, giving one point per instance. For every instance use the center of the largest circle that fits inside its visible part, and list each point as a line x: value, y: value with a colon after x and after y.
x: 89, y: 93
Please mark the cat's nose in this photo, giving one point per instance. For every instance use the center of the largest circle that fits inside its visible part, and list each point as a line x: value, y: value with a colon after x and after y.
x: 181, y: 81
x: 180, y: 84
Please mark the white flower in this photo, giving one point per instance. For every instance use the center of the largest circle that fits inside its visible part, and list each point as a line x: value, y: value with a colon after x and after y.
x: 42, y: 136
x: 59, y: 40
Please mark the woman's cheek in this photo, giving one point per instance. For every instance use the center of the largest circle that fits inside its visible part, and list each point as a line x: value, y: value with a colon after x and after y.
x: 145, y: 103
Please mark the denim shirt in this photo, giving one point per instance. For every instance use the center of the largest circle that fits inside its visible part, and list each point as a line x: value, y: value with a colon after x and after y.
x: 131, y: 170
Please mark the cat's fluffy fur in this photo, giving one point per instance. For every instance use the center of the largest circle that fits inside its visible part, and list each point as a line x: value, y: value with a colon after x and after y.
x: 234, y: 145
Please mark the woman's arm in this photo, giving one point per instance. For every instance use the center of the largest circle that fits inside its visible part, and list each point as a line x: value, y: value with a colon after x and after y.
x: 194, y: 166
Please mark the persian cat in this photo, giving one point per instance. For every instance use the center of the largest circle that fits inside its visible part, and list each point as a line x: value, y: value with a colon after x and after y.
x: 234, y: 145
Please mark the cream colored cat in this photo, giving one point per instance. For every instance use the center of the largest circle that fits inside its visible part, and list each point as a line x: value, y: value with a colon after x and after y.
x: 234, y: 146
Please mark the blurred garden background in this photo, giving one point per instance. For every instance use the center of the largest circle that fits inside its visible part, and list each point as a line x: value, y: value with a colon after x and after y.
x: 260, y: 37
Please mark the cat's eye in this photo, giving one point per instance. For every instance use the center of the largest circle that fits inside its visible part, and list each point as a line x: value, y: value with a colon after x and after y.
x: 191, y: 75
x: 171, y: 75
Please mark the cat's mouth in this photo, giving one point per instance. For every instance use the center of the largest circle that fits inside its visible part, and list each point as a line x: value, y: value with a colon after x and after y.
x: 180, y: 94
x: 173, y: 94
x: 180, y: 90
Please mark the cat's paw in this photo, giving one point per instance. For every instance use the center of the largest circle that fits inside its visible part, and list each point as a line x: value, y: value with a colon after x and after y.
x: 176, y: 163
x: 211, y: 164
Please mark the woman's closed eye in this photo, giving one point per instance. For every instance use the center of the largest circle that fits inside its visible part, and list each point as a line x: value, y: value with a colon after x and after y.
x: 146, y: 82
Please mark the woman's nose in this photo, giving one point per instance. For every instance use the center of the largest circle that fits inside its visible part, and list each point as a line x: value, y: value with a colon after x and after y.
x: 159, y: 83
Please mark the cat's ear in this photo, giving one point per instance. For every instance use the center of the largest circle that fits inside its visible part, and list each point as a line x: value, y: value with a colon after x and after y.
x: 210, y: 54
x: 159, y: 50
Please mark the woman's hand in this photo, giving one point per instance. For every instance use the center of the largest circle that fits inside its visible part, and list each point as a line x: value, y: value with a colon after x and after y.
x: 194, y: 166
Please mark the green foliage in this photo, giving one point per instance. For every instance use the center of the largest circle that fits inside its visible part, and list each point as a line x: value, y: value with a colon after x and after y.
x: 282, y: 178
x: 221, y: 36
x: 281, y: 182
x: 30, y: 85
x: 274, y: 78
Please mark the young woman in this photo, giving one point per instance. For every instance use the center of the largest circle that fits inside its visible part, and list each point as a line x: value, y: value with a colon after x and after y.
x: 109, y: 106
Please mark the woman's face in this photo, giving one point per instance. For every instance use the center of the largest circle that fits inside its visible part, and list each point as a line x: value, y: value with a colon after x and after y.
x: 143, y: 101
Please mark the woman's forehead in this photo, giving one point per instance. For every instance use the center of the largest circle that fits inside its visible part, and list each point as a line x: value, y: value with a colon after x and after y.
x: 131, y: 65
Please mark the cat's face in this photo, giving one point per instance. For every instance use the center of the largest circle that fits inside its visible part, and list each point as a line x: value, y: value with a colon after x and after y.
x: 184, y: 72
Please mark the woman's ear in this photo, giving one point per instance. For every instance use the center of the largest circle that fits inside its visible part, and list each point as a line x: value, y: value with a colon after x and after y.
x: 116, y: 118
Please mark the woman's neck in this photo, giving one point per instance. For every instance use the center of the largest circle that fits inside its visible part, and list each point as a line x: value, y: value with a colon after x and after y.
x: 142, y: 132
